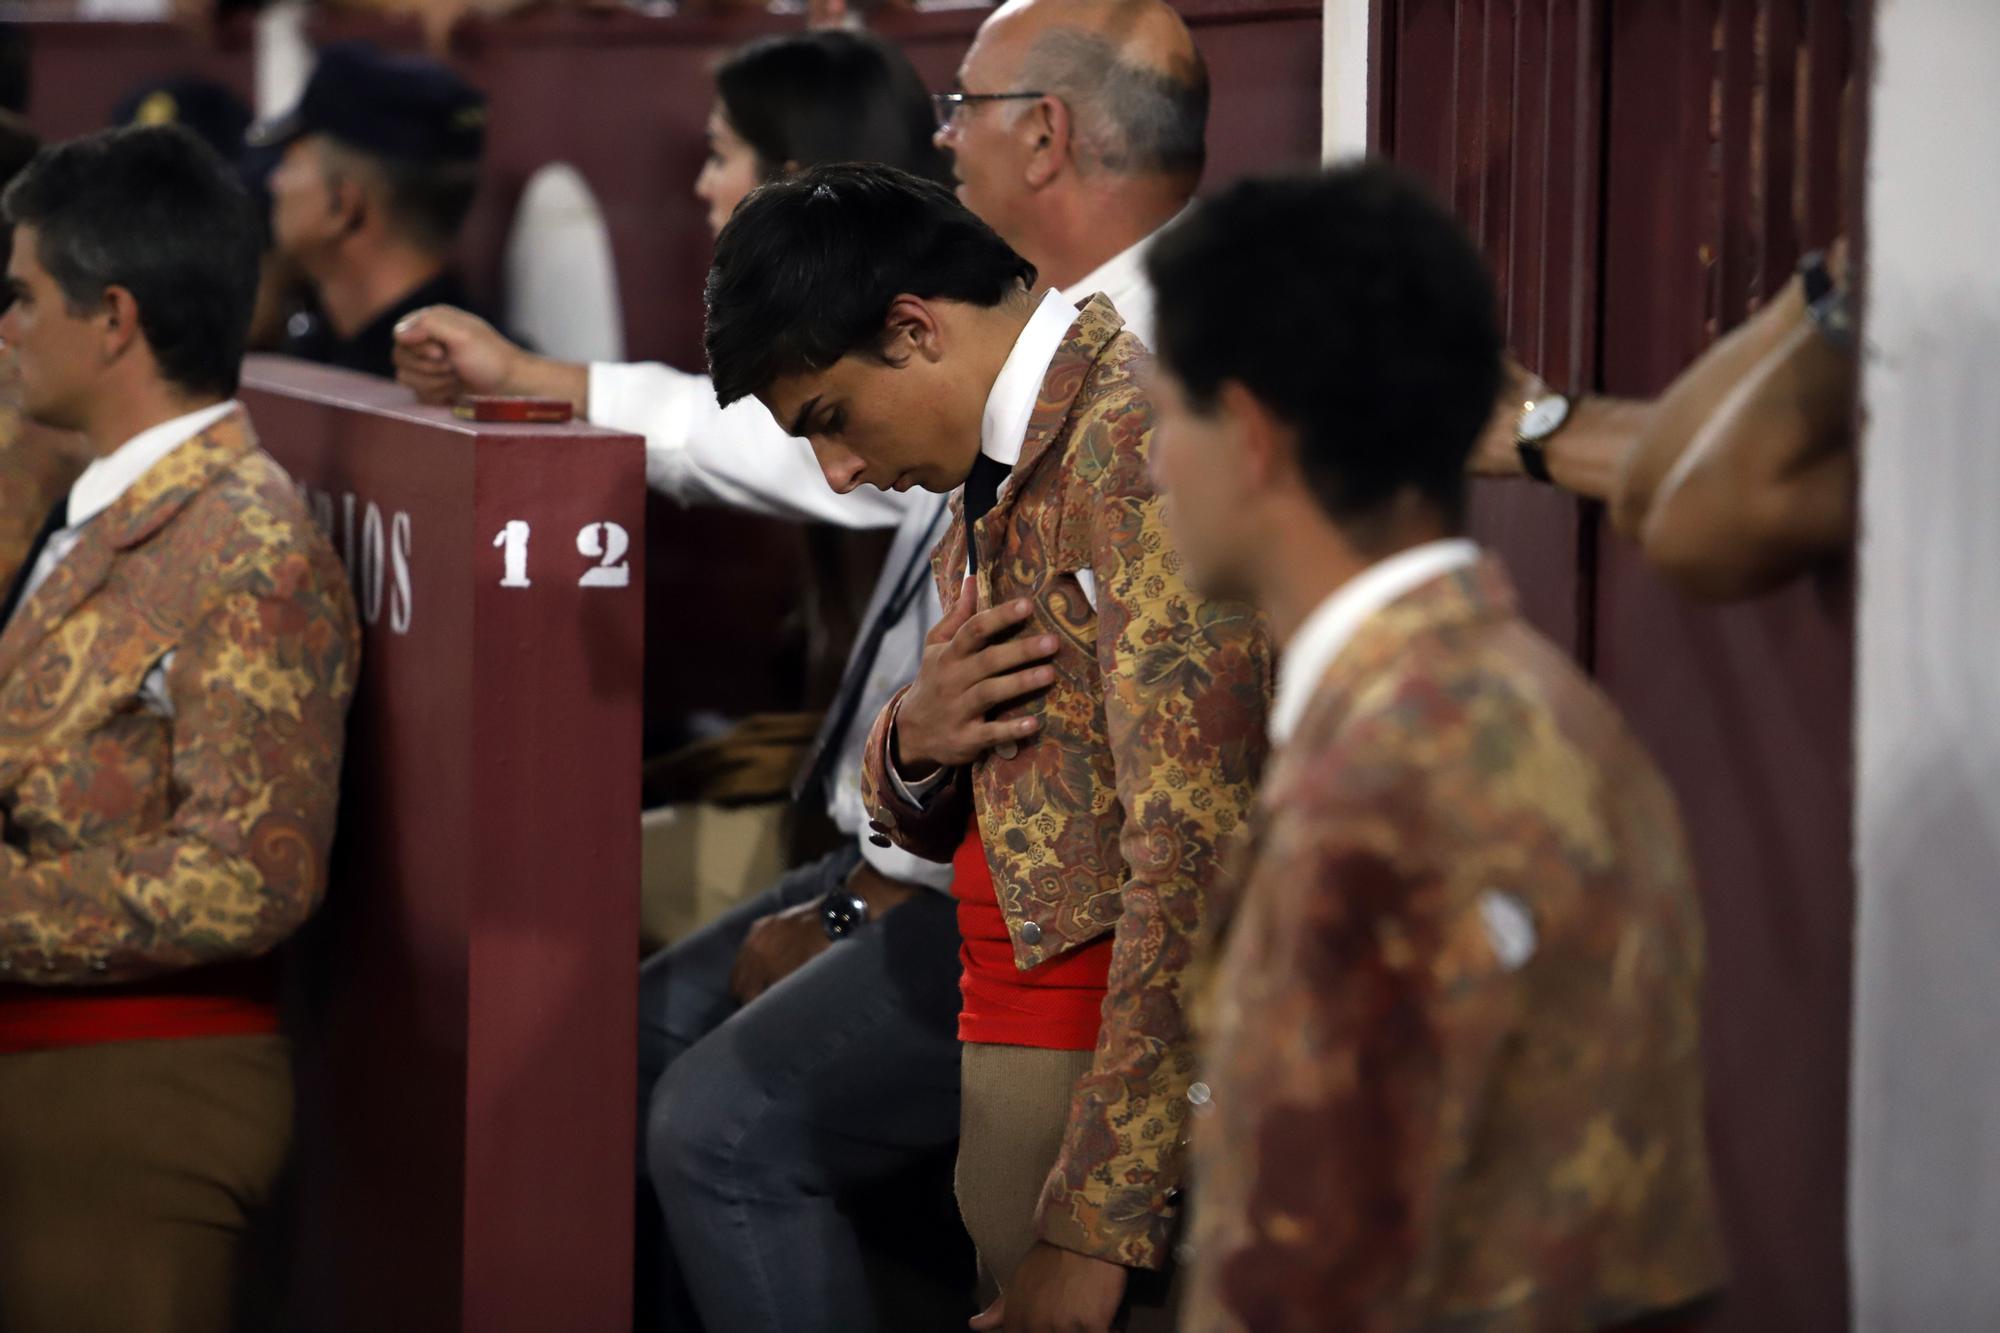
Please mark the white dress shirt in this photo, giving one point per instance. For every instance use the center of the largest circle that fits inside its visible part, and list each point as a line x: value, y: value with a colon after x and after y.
x: 102, y: 485
x: 1123, y: 278
x: 1324, y: 634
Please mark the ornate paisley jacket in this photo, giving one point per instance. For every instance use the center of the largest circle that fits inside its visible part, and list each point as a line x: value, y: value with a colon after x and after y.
x: 1118, y: 816
x: 1453, y: 1034
x: 134, y: 844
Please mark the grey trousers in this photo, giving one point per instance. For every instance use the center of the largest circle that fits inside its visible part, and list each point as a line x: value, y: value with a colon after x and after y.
x: 759, y: 1118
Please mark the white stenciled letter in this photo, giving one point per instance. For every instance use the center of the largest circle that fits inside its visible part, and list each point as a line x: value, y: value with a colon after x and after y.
x: 372, y: 563
x: 399, y: 573
x: 607, y: 544
x: 514, y: 540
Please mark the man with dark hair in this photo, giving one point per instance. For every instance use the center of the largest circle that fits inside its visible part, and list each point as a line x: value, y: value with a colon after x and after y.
x: 380, y: 167
x: 1078, y: 129
x: 176, y: 661
x: 1452, y: 1040
x: 1083, y: 732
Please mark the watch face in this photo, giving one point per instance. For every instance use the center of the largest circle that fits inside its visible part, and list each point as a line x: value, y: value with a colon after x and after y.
x: 840, y: 913
x: 1544, y: 417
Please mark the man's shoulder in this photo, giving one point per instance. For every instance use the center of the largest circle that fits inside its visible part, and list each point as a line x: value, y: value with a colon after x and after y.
x: 1110, y: 427
x: 1491, y: 719
x: 253, y: 519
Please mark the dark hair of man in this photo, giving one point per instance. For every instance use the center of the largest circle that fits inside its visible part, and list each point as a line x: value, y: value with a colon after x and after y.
x: 818, y: 97
x: 1354, y: 308
x: 428, y: 202
x: 153, y: 210
x: 806, y: 270
x: 1124, y: 118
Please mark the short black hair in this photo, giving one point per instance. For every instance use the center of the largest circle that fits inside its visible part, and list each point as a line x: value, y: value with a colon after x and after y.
x: 1354, y: 307
x: 428, y: 202
x: 830, y: 96
x: 806, y: 270
x: 151, y: 209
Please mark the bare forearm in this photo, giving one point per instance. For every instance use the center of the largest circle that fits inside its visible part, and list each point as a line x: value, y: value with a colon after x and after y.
x: 1587, y: 454
x: 1768, y: 485
x: 1681, y: 413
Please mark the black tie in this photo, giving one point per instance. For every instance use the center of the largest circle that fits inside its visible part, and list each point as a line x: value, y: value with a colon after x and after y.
x: 826, y: 746
x: 57, y: 520
x: 982, y: 488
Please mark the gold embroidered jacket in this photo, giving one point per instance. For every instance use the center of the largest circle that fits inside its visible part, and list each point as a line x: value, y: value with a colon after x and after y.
x: 134, y: 844
x: 1453, y: 1034
x: 1118, y: 816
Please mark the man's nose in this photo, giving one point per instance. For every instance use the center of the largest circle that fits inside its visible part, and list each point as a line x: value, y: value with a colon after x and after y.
x: 840, y: 467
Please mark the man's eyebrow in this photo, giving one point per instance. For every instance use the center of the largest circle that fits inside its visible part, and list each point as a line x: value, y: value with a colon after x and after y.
x: 798, y: 426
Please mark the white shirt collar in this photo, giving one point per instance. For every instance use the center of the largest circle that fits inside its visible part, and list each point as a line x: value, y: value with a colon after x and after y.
x: 1010, y: 405
x: 107, y: 479
x: 1323, y: 635
x: 1123, y: 278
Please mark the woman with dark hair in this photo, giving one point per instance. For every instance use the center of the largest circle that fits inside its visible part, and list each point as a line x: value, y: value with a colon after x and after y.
x: 763, y: 1107
x: 786, y: 103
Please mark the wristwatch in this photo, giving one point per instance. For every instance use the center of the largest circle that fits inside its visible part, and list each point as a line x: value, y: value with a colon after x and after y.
x: 1826, y: 301
x: 842, y: 912
x: 1540, y: 420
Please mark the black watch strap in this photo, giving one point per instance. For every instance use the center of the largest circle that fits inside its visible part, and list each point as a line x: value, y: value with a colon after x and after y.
x: 1815, y: 276
x: 1535, y: 460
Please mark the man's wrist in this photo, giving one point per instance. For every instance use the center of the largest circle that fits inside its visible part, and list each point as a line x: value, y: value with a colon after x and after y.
x: 882, y: 894
x: 917, y: 772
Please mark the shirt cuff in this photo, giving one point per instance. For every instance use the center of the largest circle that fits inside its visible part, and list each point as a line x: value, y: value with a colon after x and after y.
x: 919, y: 792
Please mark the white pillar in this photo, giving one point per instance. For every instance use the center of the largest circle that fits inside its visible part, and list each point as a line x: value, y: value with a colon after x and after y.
x: 1925, y: 1168
x: 1344, y: 114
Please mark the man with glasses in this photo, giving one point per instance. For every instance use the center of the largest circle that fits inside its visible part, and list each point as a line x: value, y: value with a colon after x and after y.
x: 1077, y: 131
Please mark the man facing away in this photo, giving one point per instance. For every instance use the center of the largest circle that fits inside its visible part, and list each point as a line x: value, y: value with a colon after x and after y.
x: 176, y: 662
x: 1083, y: 732
x: 379, y: 169
x: 1452, y: 1039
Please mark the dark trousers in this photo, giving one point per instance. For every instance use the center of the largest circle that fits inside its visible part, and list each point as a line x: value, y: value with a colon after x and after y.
x: 756, y: 1119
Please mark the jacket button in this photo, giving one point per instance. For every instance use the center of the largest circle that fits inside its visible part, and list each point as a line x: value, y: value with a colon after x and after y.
x: 1006, y: 749
x: 878, y: 840
x: 1031, y: 934
x: 1199, y: 1095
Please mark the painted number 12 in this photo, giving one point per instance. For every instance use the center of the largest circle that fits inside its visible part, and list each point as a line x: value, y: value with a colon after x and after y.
x: 606, y: 543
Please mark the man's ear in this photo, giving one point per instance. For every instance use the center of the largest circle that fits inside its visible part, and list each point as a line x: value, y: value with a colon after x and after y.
x: 347, y: 202
x: 121, y: 323
x: 911, y: 330
x: 1267, y: 443
x: 1045, y: 133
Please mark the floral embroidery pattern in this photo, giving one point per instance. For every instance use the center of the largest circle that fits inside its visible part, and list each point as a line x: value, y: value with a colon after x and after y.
x: 1419, y: 1120
x: 134, y: 844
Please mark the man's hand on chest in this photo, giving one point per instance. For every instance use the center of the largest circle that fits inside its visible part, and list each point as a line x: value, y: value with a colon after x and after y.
x: 972, y: 665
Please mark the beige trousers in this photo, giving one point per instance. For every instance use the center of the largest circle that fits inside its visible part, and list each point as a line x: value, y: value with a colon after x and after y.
x: 131, y: 1175
x: 1014, y: 1103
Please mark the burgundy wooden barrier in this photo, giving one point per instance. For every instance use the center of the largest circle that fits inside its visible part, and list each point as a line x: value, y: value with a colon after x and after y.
x: 1638, y: 174
x: 469, y: 994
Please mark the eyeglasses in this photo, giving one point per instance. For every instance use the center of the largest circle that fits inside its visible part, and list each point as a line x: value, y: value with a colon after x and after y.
x: 950, y: 104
